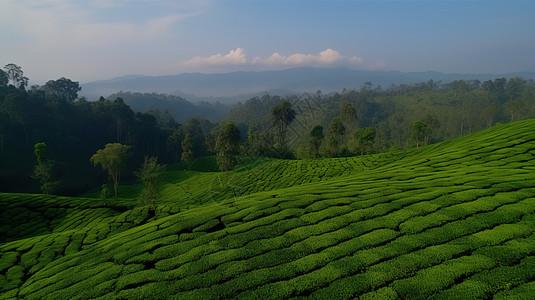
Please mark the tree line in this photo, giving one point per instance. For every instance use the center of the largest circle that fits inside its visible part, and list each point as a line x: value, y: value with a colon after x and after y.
x: 351, y: 122
x: 74, y: 129
x: 372, y: 119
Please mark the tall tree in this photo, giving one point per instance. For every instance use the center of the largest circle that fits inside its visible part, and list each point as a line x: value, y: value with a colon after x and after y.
x: 113, y: 159
x: 433, y: 124
x: 420, y: 133
x: 227, y: 146
x: 335, y: 132
x: 515, y: 87
x: 193, y: 126
x: 316, y: 138
x: 258, y: 144
x: 63, y: 88
x: 365, y: 137
x: 16, y: 76
x: 516, y: 108
x: 149, y: 173
x: 348, y: 115
x: 124, y: 118
x: 187, y: 149
x: 4, y: 79
x: 174, y: 145
x: 282, y: 115
x: 43, y: 169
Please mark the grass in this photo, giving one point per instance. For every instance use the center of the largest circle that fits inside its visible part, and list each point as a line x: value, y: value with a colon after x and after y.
x: 455, y: 219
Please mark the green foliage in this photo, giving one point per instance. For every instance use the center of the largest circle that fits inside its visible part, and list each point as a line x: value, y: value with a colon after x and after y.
x: 453, y: 219
x: 112, y: 159
x: 335, y: 132
x: 104, y: 192
x: 281, y: 116
x: 63, y: 89
x: 187, y: 149
x: 174, y: 145
x: 348, y: 116
x: 258, y: 144
x: 41, y: 152
x: 149, y: 173
x: 365, y: 137
x: 316, y: 138
x: 420, y: 133
x: 227, y: 146
x: 43, y: 172
x: 44, y: 169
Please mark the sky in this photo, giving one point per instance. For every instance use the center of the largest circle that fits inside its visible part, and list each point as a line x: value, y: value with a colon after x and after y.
x: 87, y: 40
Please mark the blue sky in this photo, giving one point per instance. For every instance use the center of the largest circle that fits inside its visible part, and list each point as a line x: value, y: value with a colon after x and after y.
x: 88, y: 40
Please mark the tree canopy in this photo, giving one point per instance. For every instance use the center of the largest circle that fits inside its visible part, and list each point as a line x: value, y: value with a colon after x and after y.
x: 149, y: 173
x: 112, y: 159
x: 63, y: 88
x: 281, y: 116
x: 227, y: 146
x: 16, y: 76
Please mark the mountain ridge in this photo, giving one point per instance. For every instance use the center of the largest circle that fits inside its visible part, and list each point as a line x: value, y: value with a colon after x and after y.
x: 234, y: 86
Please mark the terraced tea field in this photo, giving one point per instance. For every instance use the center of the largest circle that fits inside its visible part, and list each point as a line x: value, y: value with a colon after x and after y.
x: 188, y: 189
x: 452, y: 220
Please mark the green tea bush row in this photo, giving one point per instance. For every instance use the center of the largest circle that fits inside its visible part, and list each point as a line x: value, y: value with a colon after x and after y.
x: 489, y: 282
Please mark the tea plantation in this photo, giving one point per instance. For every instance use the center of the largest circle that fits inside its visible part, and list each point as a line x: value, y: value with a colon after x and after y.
x: 451, y: 220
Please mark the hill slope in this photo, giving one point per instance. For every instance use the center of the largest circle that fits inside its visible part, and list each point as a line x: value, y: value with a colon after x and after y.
x: 451, y: 219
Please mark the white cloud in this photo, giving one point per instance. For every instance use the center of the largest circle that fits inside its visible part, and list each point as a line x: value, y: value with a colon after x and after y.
x: 328, y: 57
x: 234, y: 57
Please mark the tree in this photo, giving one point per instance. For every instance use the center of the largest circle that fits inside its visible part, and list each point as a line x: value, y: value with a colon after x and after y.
x: 420, y: 132
x: 348, y: 115
x: 227, y: 146
x: 258, y: 144
x: 488, y: 114
x: 253, y: 147
x: 16, y: 76
x: 124, y: 119
x: 316, y: 138
x: 193, y: 126
x: 365, y: 137
x: 281, y: 116
x: 149, y: 173
x: 432, y: 122
x: 113, y: 159
x: 4, y: 79
x: 40, y: 152
x: 174, y: 145
x: 516, y: 108
x: 43, y: 169
x: 335, y: 132
x: 187, y: 149
x: 62, y: 88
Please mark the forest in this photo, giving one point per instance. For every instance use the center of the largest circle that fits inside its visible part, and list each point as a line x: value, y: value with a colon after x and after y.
x: 307, y: 126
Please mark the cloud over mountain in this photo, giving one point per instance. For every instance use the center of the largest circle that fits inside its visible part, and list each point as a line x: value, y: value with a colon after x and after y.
x: 326, y: 58
x: 234, y: 57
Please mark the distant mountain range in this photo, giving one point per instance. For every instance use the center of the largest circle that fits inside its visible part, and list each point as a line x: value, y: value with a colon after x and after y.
x: 236, y: 86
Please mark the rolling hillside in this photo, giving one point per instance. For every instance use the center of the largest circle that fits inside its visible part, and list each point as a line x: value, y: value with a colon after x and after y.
x: 451, y: 220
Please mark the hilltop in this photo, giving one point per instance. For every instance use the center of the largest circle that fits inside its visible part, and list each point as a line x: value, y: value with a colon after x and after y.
x: 454, y: 218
